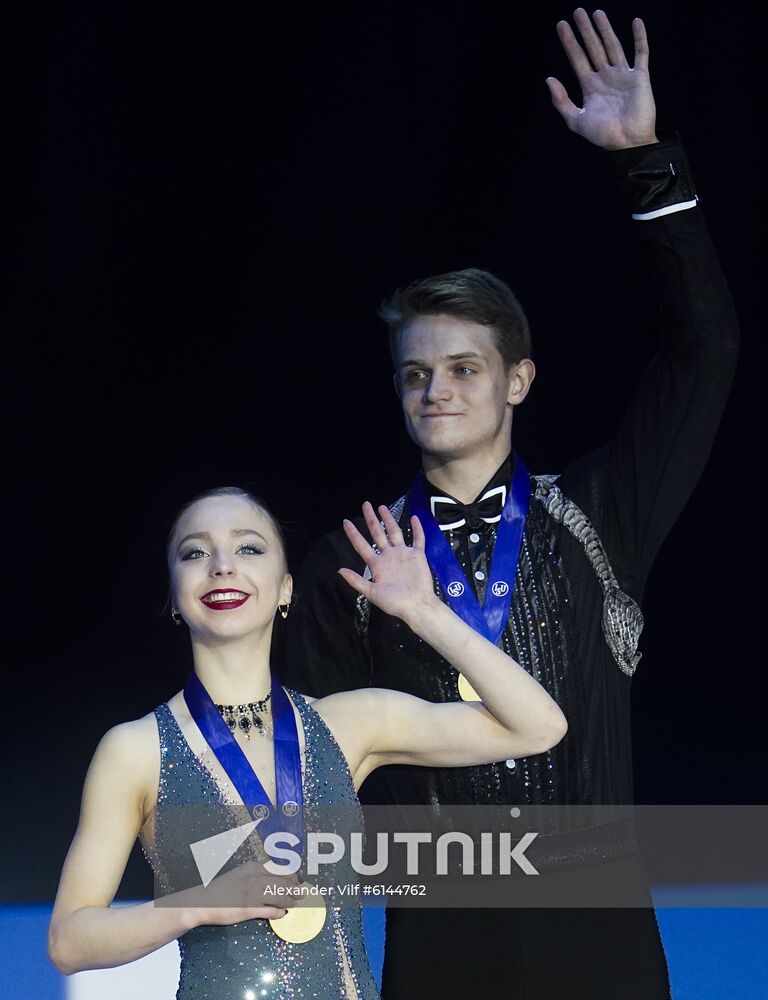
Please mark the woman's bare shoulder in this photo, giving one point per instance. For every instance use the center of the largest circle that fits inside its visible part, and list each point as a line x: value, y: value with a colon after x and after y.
x: 130, y: 745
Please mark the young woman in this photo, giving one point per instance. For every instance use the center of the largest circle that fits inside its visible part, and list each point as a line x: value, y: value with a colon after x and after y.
x: 214, y: 743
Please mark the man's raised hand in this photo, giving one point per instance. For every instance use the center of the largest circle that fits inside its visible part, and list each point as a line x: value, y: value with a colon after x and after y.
x: 618, y: 107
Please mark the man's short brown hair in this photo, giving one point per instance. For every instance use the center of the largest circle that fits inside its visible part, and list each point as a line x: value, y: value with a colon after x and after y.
x: 470, y: 294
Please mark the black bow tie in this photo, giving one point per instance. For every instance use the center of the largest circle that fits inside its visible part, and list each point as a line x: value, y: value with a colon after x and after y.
x: 449, y: 513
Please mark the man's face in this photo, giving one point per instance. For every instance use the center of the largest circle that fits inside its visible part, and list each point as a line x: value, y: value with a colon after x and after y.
x: 457, y: 398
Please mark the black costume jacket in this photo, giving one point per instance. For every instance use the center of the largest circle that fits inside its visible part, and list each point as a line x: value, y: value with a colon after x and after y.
x: 632, y: 490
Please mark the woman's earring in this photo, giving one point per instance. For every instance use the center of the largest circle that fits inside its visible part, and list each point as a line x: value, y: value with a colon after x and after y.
x: 284, y: 609
x: 176, y: 616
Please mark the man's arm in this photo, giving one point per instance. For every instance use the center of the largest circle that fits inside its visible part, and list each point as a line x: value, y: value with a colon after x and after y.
x: 644, y: 476
x: 635, y: 487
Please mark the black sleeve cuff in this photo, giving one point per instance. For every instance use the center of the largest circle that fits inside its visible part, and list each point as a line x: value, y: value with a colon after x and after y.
x: 654, y: 177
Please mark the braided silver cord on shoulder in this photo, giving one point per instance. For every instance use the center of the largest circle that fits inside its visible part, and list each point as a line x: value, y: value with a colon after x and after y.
x: 396, y: 509
x: 622, y: 620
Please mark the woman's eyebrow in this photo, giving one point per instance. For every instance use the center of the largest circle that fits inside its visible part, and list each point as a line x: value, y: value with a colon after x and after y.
x: 195, y: 534
x: 236, y: 533
x: 248, y: 531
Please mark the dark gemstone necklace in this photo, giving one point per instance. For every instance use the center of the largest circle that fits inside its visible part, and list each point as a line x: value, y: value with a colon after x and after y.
x: 246, y: 717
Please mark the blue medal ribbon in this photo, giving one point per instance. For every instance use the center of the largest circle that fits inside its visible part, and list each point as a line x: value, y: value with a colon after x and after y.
x: 289, y: 814
x: 489, y: 618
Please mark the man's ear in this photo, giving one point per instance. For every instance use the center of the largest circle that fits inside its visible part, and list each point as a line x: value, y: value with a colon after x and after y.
x: 522, y: 377
x: 396, y: 383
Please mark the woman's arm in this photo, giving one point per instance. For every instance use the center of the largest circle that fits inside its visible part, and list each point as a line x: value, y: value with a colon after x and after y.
x: 516, y: 717
x: 85, y: 933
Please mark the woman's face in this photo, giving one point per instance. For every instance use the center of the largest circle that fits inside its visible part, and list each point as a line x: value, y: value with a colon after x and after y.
x: 227, y: 568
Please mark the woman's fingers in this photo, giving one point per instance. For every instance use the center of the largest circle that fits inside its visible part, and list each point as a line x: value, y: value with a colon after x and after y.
x: 375, y: 527
x: 419, y: 541
x: 358, y: 542
x: 357, y: 582
x: 385, y: 533
x: 394, y: 534
x: 229, y: 915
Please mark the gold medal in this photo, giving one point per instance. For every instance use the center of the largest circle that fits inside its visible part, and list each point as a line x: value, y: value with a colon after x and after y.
x: 466, y: 691
x: 303, y: 921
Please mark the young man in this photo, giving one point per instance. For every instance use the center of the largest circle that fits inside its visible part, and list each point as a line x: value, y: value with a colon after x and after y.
x: 560, y: 594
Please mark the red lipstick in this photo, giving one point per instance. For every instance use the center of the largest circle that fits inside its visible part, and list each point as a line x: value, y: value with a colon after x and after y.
x: 215, y: 600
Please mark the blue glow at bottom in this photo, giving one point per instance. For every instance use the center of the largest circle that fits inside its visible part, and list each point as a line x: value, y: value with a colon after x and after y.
x: 716, y: 954
x: 713, y: 954
x: 26, y: 970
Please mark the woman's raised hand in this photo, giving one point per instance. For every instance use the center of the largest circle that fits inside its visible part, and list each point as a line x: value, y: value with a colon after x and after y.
x: 401, y: 581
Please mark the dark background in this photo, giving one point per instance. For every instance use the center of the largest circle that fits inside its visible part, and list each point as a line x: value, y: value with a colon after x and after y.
x: 203, y: 210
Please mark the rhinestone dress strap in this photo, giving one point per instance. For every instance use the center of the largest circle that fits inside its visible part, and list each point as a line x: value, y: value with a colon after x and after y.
x: 622, y: 620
